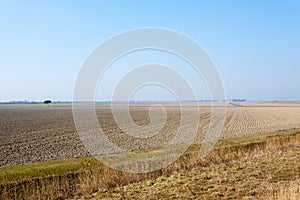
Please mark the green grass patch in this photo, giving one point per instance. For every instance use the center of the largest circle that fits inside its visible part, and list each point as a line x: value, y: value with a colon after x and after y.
x: 49, y: 168
x: 253, y: 138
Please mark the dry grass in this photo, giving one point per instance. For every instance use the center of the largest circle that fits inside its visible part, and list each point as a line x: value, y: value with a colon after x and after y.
x: 284, y: 191
x: 258, y: 177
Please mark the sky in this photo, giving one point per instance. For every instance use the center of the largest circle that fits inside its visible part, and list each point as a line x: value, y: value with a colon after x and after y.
x: 255, y: 45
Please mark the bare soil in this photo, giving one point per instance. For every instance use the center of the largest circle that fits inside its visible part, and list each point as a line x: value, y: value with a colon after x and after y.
x: 33, y: 133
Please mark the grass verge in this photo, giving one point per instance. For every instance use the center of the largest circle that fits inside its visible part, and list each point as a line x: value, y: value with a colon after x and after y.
x: 66, y: 178
x: 267, y: 175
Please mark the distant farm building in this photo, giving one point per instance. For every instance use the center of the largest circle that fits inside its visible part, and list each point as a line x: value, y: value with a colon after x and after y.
x: 239, y: 100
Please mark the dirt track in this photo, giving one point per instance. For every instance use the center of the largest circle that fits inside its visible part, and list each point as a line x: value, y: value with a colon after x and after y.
x: 32, y: 133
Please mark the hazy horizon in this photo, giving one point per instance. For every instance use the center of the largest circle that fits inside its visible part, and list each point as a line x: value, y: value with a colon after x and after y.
x: 141, y: 101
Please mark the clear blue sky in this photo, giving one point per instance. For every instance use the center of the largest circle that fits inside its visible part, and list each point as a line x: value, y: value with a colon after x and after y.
x: 255, y: 44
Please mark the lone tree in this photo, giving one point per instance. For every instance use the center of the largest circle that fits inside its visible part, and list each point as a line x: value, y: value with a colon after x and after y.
x: 47, y: 102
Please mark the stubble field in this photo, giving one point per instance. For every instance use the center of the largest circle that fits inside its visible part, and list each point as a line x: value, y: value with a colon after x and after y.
x: 33, y: 133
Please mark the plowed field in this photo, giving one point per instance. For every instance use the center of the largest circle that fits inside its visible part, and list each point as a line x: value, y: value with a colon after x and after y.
x: 33, y: 133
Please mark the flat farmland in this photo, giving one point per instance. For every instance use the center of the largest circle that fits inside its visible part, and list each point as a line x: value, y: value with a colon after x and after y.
x: 34, y: 133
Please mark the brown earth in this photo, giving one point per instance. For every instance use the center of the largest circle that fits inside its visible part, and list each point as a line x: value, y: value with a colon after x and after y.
x: 33, y: 133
